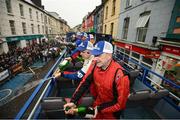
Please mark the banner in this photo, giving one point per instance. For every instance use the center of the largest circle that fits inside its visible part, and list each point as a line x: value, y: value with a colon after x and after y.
x: 17, y: 68
x: 4, y: 75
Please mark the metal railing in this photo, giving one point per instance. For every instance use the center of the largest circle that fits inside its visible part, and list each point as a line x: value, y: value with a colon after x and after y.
x: 37, y: 90
x: 145, y: 77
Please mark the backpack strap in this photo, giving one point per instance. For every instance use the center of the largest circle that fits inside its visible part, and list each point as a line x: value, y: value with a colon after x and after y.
x: 119, y: 113
x: 114, y: 81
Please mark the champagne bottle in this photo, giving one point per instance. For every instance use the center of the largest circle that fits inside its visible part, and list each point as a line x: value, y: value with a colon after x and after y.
x: 85, y: 111
x: 63, y: 65
x: 80, y: 59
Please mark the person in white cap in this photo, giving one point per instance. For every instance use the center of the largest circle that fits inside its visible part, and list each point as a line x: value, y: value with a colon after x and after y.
x: 107, y: 83
x: 91, y: 39
x: 84, y: 49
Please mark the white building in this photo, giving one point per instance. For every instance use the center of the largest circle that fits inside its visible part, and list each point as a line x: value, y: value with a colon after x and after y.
x: 22, y: 23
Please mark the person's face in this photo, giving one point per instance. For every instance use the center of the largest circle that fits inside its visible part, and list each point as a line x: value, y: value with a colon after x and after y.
x: 83, y: 38
x: 103, y: 60
x: 92, y: 40
x: 85, y: 54
x: 78, y: 37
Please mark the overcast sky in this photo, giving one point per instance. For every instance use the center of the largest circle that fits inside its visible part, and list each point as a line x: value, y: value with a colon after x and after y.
x: 72, y: 11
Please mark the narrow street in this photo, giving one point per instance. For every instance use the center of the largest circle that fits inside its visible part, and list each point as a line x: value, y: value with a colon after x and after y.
x: 10, y: 110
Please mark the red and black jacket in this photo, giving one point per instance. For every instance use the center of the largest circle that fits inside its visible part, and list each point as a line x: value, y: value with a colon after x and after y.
x: 101, y: 84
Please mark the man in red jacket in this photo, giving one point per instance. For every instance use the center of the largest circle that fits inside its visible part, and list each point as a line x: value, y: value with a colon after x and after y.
x: 107, y: 84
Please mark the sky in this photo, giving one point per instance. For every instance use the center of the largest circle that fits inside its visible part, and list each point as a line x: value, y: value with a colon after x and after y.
x: 72, y: 11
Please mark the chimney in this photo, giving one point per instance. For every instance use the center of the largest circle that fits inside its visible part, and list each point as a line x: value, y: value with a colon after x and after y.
x: 37, y: 2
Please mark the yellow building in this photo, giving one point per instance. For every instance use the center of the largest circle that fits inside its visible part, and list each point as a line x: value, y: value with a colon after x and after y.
x: 111, y: 16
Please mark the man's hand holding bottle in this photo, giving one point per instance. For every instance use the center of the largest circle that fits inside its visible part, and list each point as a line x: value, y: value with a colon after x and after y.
x: 68, y: 58
x: 57, y: 73
x: 70, y: 108
x: 88, y: 112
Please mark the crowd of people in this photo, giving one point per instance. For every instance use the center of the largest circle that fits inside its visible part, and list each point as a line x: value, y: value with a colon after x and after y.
x: 27, y: 56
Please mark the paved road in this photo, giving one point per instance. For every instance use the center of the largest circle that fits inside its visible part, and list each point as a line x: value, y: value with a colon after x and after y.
x: 10, y: 110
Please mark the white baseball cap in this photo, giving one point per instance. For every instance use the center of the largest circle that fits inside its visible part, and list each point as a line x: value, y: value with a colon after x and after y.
x: 102, y: 47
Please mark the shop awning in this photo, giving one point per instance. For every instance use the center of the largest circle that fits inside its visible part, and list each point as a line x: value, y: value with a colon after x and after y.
x: 27, y: 37
x: 142, y: 21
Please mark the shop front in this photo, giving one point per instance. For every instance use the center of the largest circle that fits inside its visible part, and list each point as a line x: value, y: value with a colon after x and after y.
x: 168, y: 65
x: 146, y: 56
x: 22, y: 41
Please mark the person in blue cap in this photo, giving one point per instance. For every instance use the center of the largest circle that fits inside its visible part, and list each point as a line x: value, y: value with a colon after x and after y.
x: 84, y: 49
x: 75, y: 53
x: 107, y: 83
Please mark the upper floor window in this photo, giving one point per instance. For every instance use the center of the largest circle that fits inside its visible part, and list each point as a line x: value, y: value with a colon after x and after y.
x: 38, y: 28
x: 125, y: 28
x: 106, y: 12
x: 8, y: 6
x: 113, y: 7
x: 21, y: 10
x: 32, y: 28
x: 37, y: 16
x: 42, y: 29
x: 45, y: 19
x: 41, y: 17
x: 112, y: 28
x: 12, y: 26
x: 105, y: 29
x: 24, y: 27
x: 0, y: 31
x: 30, y: 13
x: 142, y: 26
x: 49, y: 21
x: 128, y: 3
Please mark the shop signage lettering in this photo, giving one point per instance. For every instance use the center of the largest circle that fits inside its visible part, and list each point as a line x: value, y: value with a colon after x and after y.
x: 4, y: 75
x: 172, y: 50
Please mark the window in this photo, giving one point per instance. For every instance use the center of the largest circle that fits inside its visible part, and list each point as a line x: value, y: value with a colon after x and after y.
x: 21, y: 10
x: 106, y: 12
x: 12, y: 26
x: 176, y: 31
x: 128, y: 3
x: 113, y: 7
x: 38, y: 28
x: 42, y: 29
x: 41, y: 17
x: 32, y: 28
x: 105, y: 29
x: 24, y: 27
x: 125, y: 28
x: 178, y: 19
x: 30, y: 13
x: 8, y: 6
x: 135, y: 55
x: 37, y: 17
x: 142, y: 26
x: 49, y: 21
x: 45, y: 19
x: 0, y: 31
x: 46, y: 30
x: 148, y: 61
x: 112, y: 27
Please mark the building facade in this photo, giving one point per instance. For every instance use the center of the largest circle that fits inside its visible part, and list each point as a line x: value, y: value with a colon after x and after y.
x: 140, y: 24
x: 98, y: 19
x: 168, y: 64
x: 23, y: 22
x: 149, y: 34
x: 111, y: 17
